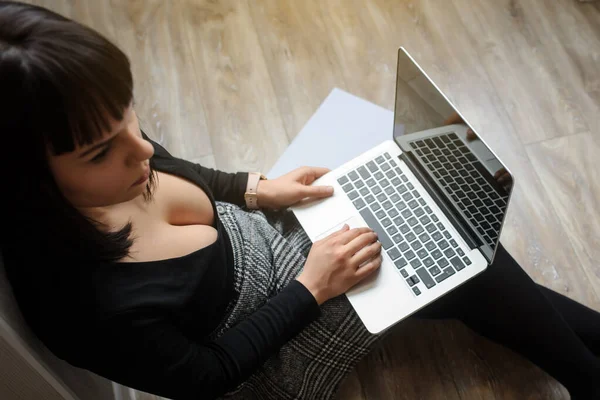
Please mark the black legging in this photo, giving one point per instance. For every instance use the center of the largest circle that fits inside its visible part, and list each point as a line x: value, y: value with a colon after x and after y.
x: 554, y: 332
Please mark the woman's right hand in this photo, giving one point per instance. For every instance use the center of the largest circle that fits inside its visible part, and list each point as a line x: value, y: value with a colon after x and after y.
x: 339, y: 261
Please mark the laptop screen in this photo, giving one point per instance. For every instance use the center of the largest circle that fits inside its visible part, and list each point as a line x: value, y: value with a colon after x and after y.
x: 460, y: 169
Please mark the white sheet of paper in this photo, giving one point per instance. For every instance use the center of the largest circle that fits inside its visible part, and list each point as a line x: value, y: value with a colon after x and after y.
x: 343, y: 127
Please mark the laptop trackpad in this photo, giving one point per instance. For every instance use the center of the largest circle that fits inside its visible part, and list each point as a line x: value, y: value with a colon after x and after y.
x: 353, y: 222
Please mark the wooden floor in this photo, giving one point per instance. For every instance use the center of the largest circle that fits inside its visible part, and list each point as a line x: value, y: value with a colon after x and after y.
x: 229, y: 84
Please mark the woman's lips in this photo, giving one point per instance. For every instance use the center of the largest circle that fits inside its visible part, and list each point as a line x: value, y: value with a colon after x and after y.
x: 143, y: 178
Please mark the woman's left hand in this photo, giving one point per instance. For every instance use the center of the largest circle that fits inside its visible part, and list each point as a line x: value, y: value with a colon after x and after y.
x: 292, y: 187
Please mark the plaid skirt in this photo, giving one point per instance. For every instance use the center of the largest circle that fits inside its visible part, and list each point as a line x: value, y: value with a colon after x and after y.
x: 269, y: 250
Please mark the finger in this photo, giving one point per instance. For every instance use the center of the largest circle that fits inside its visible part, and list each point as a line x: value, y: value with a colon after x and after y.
x: 310, y: 174
x: 361, y: 241
x: 318, y: 191
x: 337, y: 233
x: 351, y: 234
x: 365, y: 253
x: 453, y: 119
x: 471, y: 135
x: 500, y: 172
x: 506, y: 178
x: 368, y: 268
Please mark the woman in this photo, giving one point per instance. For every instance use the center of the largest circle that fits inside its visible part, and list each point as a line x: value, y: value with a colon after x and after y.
x: 155, y: 273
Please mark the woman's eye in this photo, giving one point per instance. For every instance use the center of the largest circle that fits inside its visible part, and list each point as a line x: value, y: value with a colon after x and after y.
x: 98, y: 157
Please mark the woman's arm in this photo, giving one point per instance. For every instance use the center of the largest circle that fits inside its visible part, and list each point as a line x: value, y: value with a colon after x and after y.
x: 228, y: 187
x: 154, y: 356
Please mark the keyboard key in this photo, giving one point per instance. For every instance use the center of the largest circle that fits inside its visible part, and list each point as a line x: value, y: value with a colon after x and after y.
x: 396, y: 182
x: 382, y: 236
x: 353, y: 194
x: 380, y: 214
x: 385, y: 167
x: 407, y: 196
x: 428, y: 262
x: 393, y: 212
x: 364, y: 192
x: 393, y: 163
x: 372, y: 167
x: 425, y: 220
x: 430, y: 228
x: 419, y: 212
x: 436, y: 236
x: 418, y: 229
x: 440, y: 226
x: 425, y: 277
x: 410, y: 282
x: 447, y: 234
x: 359, y: 184
x: 424, y: 238
x: 443, y: 263
x: 370, y: 199
x: 380, y: 159
x: 390, y: 174
x: 395, y: 198
x: 392, y: 230
x: 375, y: 206
x: 443, y: 244
x: 410, y: 237
x: 401, y: 205
x: 434, y: 218
x: 397, y: 238
x: 409, y: 255
x: 348, y: 187
x: 410, y: 186
x: 401, y: 189
x: 457, y: 263
x: 403, y: 246
x: 422, y: 253
x: 386, y: 155
x: 416, y: 291
x: 353, y: 175
x: 413, y: 204
x: 404, y: 229
x: 466, y: 260
x: 449, y: 252
x: 387, y: 205
x: 370, y: 182
x: 384, y: 182
x: 359, y: 203
x: 435, y: 271
x: 381, y: 197
x: 375, y: 190
x: 401, y: 262
x: 406, y: 213
x: 460, y: 252
x: 453, y: 243
x: 415, y: 279
x: 343, y: 180
x: 416, y: 245
x: 378, y: 175
x: 428, y: 210
x: 398, y: 220
x: 386, y: 222
x: 389, y: 190
x: 394, y: 253
x: 436, y: 254
x: 416, y: 263
x: 447, y: 273
x: 412, y: 221
x: 363, y: 172
x: 430, y: 245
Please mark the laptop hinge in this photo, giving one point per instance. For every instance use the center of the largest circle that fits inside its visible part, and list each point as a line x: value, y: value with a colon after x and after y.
x: 463, y: 228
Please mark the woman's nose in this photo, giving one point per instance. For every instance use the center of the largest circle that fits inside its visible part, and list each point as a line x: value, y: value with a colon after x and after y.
x: 140, y: 148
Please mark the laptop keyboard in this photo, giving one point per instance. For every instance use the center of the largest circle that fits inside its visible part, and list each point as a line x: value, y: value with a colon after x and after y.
x: 410, y: 233
x: 456, y: 168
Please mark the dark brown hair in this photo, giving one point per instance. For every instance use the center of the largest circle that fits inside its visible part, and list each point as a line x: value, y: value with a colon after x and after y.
x: 61, y: 82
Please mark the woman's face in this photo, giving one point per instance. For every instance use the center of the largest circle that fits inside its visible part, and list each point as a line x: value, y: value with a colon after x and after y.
x: 110, y: 171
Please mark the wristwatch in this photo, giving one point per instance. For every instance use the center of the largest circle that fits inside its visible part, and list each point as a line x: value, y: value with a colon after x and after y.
x: 250, y: 196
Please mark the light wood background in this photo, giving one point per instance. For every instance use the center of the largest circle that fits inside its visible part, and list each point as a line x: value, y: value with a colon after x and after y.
x: 229, y: 84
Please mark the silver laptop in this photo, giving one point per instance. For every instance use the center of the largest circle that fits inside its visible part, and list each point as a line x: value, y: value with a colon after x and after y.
x: 435, y: 193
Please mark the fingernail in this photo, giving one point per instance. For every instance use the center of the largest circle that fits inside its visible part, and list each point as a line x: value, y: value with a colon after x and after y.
x: 329, y: 189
